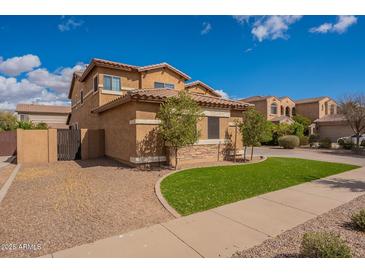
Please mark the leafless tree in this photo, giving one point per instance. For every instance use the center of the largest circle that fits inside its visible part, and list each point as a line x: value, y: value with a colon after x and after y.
x: 353, y: 108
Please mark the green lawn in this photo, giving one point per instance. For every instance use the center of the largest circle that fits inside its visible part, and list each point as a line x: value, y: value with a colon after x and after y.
x: 199, y: 189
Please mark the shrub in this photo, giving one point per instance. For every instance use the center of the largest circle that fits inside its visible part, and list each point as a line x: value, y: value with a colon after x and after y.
x: 303, y: 140
x: 325, y: 143
x: 296, y: 129
x: 362, y: 143
x: 41, y: 125
x: 358, y: 220
x: 289, y: 141
x: 324, y: 245
x: 313, y: 138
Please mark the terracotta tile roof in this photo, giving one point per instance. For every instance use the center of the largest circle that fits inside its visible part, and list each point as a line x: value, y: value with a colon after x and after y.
x: 164, y: 65
x: 311, y: 100
x: 160, y: 95
x: 256, y: 98
x: 331, y: 118
x: 196, y: 83
x: 107, y: 63
x: 42, y: 108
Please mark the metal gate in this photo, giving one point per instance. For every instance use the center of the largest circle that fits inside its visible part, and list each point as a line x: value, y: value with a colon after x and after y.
x: 7, y: 143
x: 68, y: 144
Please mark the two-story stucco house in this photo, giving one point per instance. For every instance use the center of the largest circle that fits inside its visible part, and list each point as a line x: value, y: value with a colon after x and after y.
x: 124, y: 100
x: 277, y: 110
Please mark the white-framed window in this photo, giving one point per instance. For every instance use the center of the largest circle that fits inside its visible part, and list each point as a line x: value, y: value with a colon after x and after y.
x: 164, y: 85
x: 213, y: 127
x: 112, y: 83
x: 24, y: 117
x: 95, y: 83
x: 274, y: 108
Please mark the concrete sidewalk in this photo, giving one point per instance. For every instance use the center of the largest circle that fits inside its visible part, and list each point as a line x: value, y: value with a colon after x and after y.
x: 222, y: 231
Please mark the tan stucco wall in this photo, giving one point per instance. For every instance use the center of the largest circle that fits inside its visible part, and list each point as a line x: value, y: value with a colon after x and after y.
x: 92, y: 143
x: 120, y: 136
x: 333, y: 131
x: 36, y: 146
x: 261, y: 106
x: 309, y: 110
x: 162, y: 75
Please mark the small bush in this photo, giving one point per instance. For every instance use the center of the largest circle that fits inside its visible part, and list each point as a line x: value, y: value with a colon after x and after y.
x: 313, y: 138
x: 324, y: 245
x: 289, y: 141
x: 41, y: 125
x: 303, y: 140
x: 362, y: 143
x: 358, y: 220
x: 325, y: 143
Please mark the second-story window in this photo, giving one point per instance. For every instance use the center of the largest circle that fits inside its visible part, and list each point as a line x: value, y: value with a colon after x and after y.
x: 95, y: 83
x: 274, y: 108
x: 111, y: 83
x: 164, y: 85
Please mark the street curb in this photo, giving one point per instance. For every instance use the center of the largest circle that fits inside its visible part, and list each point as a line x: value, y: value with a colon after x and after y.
x: 8, y: 182
x: 163, y: 201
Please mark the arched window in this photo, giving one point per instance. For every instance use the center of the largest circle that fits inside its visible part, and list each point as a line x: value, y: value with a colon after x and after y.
x: 287, y: 111
x: 274, y: 108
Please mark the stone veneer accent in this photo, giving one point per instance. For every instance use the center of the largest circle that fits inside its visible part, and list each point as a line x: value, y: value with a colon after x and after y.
x: 199, y: 153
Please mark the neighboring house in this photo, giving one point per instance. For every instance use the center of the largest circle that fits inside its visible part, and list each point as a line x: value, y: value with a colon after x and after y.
x: 316, y: 108
x: 332, y: 127
x: 124, y: 99
x: 53, y: 116
x: 277, y: 110
x: 281, y: 110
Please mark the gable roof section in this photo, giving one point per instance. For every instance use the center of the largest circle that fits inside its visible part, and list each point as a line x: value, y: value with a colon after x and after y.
x: 286, y: 97
x: 160, y: 95
x: 198, y: 82
x: 106, y: 63
x: 312, y: 100
x: 164, y: 65
x: 33, y: 108
x: 257, y: 98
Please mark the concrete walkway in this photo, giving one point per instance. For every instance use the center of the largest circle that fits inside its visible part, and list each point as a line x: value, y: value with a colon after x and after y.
x: 222, y: 231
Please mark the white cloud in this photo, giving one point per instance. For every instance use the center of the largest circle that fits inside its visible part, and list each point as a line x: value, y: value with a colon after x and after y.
x: 58, y: 81
x: 341, y: 26
x: 17, y: 65
x: 273, y: 27
x: 248, y: 50
x: 222, y: 93
x: 207, y: 27
x: 13, y: 92
x: 242, y: 19
x: 37, y: 86
x: 69, y: 24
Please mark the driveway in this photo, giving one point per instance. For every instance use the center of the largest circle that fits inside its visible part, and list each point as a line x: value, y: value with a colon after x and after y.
x: 60, y: 205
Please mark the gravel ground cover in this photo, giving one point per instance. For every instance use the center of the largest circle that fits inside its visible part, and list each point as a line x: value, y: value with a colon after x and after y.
x: 5, y: 173
x: 337, y: 220
x: 65, y: 204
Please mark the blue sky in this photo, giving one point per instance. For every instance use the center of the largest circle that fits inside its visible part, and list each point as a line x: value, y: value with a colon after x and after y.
x: 242, y: 56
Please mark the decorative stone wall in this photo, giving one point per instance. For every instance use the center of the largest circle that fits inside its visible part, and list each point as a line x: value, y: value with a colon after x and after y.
x: 199, y: 153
